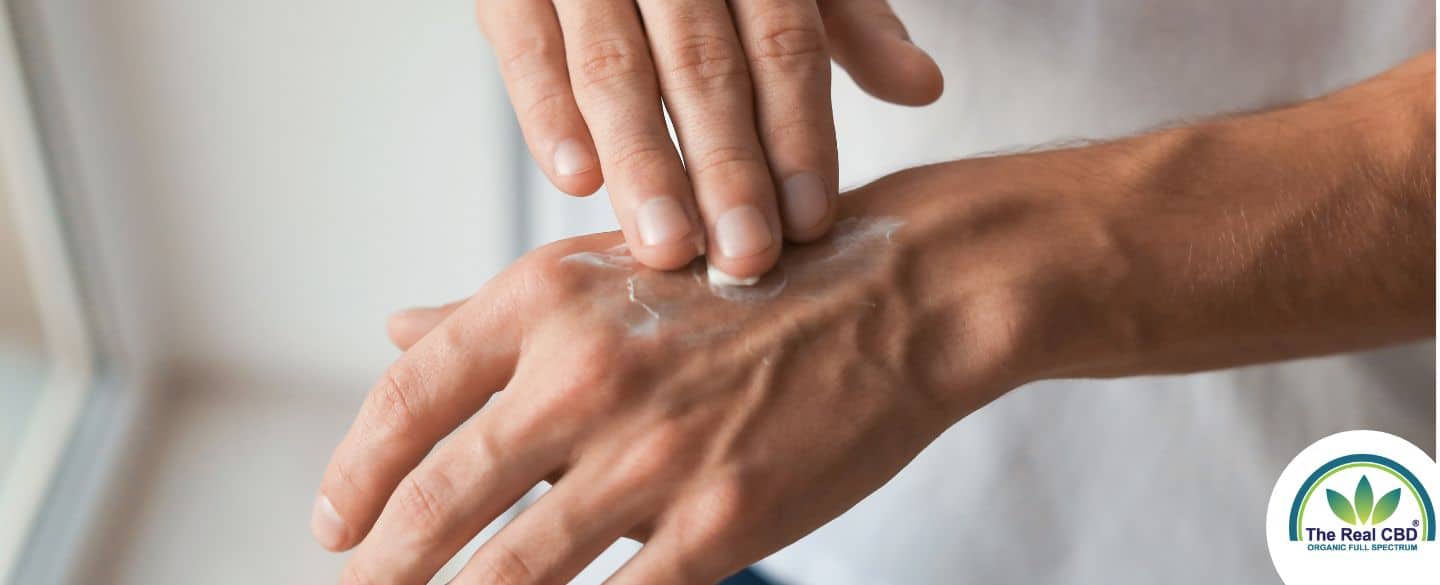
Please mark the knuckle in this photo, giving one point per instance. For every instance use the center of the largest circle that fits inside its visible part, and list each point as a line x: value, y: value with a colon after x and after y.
x: 594, y: 358
x: 611, y: 61
x: 660, y: 447
x: 420, y: 500
x: 722, y: 512
x: 788, y: 47
x: 549, y: 105
x: 345, y: 476
x: 502, y: 565
x: 394, y: 399
x: 544, y: 266
x: 546, y: 280
x: 651, y: 458
x: 703, y: 60
x: 519, y: 430
x: 802, y: 129
x: 729, y: 159
x: 527, y: 54
x: 642, y: 153
x: 585, y: 386
x: 354, y: 574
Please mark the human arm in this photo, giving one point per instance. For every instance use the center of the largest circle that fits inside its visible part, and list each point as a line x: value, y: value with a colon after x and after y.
x: 1289, y: 233
x: 719, y: 428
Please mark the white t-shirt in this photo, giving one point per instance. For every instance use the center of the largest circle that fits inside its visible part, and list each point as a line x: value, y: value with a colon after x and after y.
x: 1143, y: 480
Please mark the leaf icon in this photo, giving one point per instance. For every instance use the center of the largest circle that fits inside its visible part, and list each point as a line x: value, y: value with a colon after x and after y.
x: 1386, y: 506
x: 1364, y: 500
x: 1340, y: 506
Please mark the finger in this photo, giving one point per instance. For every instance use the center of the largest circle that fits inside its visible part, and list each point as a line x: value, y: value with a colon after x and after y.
x: 614, y: 83
x: 785, y: 44
x: 553, y: 540
x: 531, y: 51
x: 406, y: 327
x: 457, y: 491
x: 707, y: 89
x: 669, y: 559
x: 425, y: 394
x: 871, y: 43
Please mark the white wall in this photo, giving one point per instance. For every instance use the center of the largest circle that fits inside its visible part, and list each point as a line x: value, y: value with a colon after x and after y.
x: 282, y: 174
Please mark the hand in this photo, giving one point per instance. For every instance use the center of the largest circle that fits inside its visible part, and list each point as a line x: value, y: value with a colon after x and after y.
x: 715, y: 424
x: 747, y: 85
x: 720, y: 424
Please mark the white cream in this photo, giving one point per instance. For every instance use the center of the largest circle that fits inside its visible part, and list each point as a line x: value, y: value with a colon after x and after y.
x: 613, y: 257
x: 756, y: 289
x: 862, y: 232
x: 645, y: 324
x: 646, y: 310
x: 718, y: 277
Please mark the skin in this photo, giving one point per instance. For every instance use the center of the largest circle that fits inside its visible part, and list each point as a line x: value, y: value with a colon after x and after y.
x: 1297, y: 232
x: 588, y: 81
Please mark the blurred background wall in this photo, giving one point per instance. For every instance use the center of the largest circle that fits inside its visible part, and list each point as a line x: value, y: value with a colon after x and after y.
x: 263, y: 182
x: 285, y: 173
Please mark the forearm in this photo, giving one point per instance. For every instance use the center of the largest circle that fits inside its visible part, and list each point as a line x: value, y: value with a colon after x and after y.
x: 1290, y: 233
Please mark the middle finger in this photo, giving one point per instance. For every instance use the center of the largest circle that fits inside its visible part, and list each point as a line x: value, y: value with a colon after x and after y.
x: 615, y: 87
x: 706, y: 83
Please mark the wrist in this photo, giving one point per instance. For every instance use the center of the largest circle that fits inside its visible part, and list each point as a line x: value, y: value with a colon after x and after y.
x: 1006, y: 275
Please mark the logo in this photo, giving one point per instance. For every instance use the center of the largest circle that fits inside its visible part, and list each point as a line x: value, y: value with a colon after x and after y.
x: 1363, y: 517
x: 1353, y: 505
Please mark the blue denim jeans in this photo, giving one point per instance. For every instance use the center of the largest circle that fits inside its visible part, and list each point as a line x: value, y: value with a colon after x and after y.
x: 748, y: 577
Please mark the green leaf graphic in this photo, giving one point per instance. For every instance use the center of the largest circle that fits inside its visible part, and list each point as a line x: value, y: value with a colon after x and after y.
x: 1340, y: 506
x: 1386, y: 506
x: 1364, y: 500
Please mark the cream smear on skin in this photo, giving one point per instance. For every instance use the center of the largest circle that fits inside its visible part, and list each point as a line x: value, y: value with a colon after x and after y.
x: 646, y: 311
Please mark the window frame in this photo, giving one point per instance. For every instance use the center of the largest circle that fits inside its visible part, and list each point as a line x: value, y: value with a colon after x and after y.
x: 66, y: 333
x: 87, y: 428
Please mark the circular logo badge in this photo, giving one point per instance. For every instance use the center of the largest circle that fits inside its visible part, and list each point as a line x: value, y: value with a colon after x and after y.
x: 1354, y: 507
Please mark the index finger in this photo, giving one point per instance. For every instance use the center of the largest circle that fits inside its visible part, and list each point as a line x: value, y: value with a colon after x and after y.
x: 423, y: 396
x: 789, y: 61
x: 527, y: 39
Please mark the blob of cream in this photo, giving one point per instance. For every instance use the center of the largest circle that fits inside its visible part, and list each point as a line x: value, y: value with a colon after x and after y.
x: 852, y: 238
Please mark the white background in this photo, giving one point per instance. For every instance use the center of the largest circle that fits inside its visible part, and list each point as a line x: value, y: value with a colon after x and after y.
x: 283, y: 174
x: 264, y: 181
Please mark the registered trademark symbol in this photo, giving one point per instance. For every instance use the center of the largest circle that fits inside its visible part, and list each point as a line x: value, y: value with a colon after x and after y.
x: 1414, y: 522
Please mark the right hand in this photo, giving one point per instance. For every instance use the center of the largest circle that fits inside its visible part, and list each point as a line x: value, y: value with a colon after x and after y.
x: 747, y: 85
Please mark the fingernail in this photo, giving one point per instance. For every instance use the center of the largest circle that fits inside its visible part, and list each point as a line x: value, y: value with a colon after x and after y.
x: 805, y: 201
x: 326, y: 525
x: 661, y: 220
x: 742, y: 232
x: 572, y: 158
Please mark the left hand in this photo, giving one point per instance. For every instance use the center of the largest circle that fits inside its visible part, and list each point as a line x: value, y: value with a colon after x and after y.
x: 717, y: 425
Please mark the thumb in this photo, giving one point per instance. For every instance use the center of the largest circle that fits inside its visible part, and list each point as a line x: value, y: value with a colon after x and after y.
x: 870, y: 42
